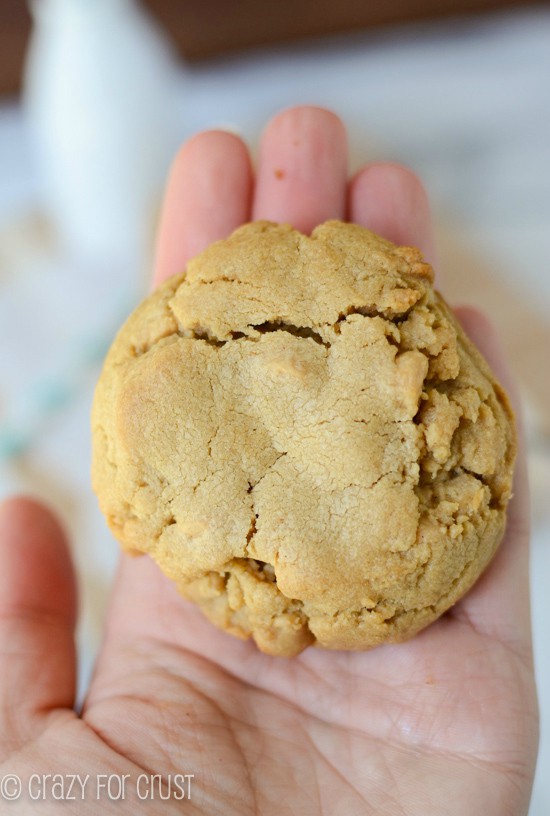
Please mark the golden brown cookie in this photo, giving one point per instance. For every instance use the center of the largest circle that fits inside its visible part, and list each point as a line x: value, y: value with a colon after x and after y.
x: 300, y: 434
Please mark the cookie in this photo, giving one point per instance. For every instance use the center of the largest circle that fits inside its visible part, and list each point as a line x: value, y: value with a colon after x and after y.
x: 301, y: 435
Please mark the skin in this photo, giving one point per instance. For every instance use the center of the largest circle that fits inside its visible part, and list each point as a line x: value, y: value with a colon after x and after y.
x: 444, y: 724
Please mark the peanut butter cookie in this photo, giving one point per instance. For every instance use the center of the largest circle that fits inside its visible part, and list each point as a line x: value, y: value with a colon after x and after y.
x: 300, y: 434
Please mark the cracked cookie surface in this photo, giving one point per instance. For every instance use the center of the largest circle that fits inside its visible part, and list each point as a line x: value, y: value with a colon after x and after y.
x: 300, y: 434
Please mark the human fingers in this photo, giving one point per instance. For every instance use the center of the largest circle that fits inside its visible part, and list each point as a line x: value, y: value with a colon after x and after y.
x: 207, y: 197
x: 37, y: 617
x: 390, y: 199
x: 303, y: 150
x: 308, y: 146
x: 302, y: 168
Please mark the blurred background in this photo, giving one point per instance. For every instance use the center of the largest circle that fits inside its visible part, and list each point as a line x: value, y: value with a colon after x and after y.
x: 94, y: 100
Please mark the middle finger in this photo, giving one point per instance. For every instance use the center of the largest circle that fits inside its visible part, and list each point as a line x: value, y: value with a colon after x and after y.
x: 302, y: 169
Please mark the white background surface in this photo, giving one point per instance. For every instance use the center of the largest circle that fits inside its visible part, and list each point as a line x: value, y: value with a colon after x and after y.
x: 464, y: 103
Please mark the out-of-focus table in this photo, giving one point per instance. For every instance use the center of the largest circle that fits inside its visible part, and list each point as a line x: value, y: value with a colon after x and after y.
x: 464, y: 103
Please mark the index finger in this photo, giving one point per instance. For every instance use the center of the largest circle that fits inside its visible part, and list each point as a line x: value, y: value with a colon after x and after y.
x: 207, y: 196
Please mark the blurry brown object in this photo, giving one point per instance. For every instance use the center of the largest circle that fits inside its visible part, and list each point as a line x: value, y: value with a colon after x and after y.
x: 15, y: 25
x: 203, y: 28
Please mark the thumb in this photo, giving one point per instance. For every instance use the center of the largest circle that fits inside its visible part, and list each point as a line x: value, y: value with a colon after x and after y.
x: 37, y: 617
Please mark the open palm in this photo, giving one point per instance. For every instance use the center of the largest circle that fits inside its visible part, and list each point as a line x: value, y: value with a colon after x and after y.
x: 444, y: 724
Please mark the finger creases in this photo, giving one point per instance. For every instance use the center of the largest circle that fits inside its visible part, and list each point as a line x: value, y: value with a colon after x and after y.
x: 302, y: 167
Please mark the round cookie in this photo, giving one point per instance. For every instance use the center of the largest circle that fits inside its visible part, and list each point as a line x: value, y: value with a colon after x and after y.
x: 300, y: 434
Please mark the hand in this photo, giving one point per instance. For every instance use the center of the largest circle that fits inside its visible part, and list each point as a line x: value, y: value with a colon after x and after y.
x: 443, y: 724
